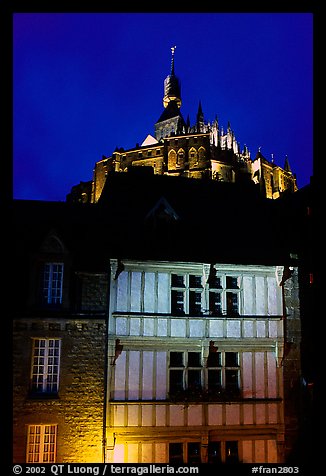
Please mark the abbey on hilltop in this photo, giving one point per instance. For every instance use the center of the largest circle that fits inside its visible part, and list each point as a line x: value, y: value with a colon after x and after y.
x: 202, y: 150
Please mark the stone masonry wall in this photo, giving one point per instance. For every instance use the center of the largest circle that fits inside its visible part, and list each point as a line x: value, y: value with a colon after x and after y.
x: 78, y: 408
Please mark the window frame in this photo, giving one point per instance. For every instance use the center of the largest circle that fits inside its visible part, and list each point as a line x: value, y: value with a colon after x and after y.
x: 52, y: 293
x: 37, y: 442
x: 42, y: 378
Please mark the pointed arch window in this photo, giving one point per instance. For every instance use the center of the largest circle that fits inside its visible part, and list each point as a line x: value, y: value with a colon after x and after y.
x: 172, y: 159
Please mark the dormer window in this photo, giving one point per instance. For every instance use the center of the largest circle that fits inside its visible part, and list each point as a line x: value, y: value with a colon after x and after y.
x: 52, y: 283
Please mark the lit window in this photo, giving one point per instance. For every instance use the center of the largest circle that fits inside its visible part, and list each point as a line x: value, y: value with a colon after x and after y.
x: 41, y: 443
x: 52, y: 283
x: 45, y: 366
x: 231, y: 452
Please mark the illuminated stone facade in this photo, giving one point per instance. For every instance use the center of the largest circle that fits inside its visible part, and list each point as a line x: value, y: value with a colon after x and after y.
x: 202, y: 150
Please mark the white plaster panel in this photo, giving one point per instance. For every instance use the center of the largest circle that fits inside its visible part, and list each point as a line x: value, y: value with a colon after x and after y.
x: 135, y: 297
x: 178, y: 328
x: 273, y: 290
x: 233, y: 328
x: 148, y: 326
x: 215, y: 416
x: 149, y: 292
x: 120, y: 377
x: 161, y: 375
x: 195, y: 415
x: 260, y: 374
x: 248, y: 305
x: 132, y: 453
x: 160, y: 415
x: 147, y: 380
x: 196, y: 328
x: 160, y: 453
x: 119, y: 415
x: 248, y: 328
x: 232, y: 414
x: 216, y: 328
x: 135, y: 326
x: 260, y: 295
x: 147, y: 419
x: 146, y: 453
x: 121, y: 326
x: 247, y: 374
x: 132, y: 415
x: 272, y: 329
x: 247, y: 451
x: 260, y: 456
x: 119, y: 452
x: 248, y: 414
x: 272, y: 451
x: 260, y: 414
x: 272, y: 413
x: 162, y: 327
x: 122, y: 292
x: 133, y: 381
x: 261, y: 329
x: 176, y: 415
x: 163, y: 304
x: 272, y: 375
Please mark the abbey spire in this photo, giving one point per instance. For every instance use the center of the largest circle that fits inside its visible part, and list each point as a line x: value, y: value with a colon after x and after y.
x: 172, y: 87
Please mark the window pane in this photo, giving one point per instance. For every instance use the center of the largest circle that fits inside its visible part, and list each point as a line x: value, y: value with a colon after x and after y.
x: 231, y: 359
x: 177, y: 280
x: 232, y: 303
x: 194, y: 453
x: 194, y: 379
x: 177, y: 302
x: 195, y: 281
x: 214, y: 359
x: 231, y: 452
x: 231, y: 282
x: 176, y: 381
x: 214, y: 452
x: 176, y: 359
x: 215, y: 304
x: 195, y: 302
x: 214, y: 379
x: 194, y: 359
x: 175, y: 453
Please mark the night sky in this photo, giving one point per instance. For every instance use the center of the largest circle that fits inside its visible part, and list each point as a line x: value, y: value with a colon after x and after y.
x: 86, y: 83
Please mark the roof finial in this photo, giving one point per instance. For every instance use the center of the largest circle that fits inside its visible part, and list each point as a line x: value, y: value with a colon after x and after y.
x: 172, y: 60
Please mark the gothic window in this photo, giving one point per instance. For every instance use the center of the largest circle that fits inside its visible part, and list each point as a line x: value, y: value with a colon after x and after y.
x: 193, y: 156
x: 201, y: 153
x: 172, y: 158
x: 180, y: 156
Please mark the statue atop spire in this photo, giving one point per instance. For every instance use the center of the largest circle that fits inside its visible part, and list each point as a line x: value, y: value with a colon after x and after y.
x: 172, y: 60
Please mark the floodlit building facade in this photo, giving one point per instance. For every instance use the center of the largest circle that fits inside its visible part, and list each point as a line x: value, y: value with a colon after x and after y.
x: 159, y: 315
x: 196, y: 362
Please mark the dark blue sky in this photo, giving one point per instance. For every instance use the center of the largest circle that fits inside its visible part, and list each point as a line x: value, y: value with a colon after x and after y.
x: 85, y: 83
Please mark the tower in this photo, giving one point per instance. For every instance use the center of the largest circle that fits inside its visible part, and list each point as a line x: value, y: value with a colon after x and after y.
x: 171, y: 121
